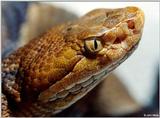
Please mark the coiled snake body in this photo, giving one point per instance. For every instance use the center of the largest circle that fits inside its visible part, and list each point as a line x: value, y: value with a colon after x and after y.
x: 53, y: 71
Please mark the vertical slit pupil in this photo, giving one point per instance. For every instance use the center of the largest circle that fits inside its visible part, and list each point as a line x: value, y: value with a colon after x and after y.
x: 95, y: 43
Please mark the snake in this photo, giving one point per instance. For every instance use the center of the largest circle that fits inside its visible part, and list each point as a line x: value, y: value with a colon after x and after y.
x: 58, y: 68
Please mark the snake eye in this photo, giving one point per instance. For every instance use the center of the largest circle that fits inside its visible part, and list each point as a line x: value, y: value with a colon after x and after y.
x: 92, y: 45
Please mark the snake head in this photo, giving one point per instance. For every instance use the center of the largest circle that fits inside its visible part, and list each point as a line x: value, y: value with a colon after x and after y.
x: 60, y: 67
x: 113, y: 32
x: 104, y: 38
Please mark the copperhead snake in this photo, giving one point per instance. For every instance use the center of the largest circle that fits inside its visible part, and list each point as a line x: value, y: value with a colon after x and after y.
x: 55, y: 70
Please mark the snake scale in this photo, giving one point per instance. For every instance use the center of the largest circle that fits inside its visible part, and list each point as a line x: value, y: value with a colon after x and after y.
x: 55, y: 70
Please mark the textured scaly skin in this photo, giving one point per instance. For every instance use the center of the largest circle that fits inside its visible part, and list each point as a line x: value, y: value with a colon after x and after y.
x: 55, y: 70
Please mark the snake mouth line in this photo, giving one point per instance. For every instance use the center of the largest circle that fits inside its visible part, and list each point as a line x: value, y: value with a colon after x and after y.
x: 81, y: 88
x: 129, y: 23
x: 66, y: 98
